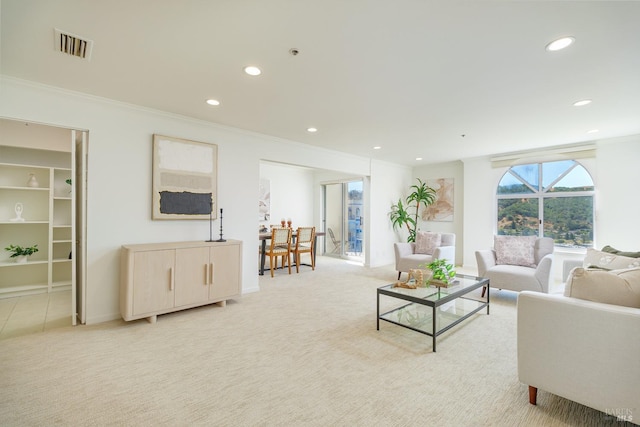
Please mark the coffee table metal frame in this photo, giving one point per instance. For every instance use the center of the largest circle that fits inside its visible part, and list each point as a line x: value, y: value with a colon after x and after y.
x: 435, y: 297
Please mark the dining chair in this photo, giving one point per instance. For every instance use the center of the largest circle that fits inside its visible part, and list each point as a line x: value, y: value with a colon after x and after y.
x: 280, y: 246
x: 336, y: 243
x: 305, y: 237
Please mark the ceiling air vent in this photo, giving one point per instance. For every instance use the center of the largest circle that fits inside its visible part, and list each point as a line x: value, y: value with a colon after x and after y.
x: 73, y: 45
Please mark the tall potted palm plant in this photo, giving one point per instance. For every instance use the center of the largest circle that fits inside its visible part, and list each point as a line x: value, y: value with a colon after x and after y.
x: 406, y: 214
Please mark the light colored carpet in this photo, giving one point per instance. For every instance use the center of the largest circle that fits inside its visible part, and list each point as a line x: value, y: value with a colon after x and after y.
x: 302, y: 351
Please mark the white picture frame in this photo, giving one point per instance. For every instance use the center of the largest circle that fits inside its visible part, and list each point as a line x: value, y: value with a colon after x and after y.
x: 184, y: 179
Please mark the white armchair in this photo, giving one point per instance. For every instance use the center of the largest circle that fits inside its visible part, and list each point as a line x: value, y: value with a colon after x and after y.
x: 407, y: 259
x: 517, y: 277
x: 584, y: 351
x: 583, y: 345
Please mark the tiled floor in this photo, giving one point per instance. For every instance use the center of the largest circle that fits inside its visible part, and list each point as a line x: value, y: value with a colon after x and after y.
x: 34, y: 313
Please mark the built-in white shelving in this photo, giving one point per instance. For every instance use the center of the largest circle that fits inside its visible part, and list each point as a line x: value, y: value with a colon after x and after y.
x: 36, y: 208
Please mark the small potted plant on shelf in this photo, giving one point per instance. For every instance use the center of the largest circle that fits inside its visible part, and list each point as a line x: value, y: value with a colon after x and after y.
x: 20, y: 253
x: 443, y: 273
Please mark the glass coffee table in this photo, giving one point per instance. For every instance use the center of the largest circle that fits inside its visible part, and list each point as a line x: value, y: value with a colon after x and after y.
x: 434, y: 310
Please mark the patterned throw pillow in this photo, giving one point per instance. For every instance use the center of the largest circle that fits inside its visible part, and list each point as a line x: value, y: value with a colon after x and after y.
x: 608, y: 261
x: 619, y: 287
x: 515, y: 250
x: 427, y: 242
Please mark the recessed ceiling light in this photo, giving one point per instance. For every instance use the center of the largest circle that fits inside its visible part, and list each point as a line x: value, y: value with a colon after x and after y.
x: 252, y: 71
x: 213, y: 102
x: 560, y: 44
x: 582, y: 103
x: 312, y: 130
x: 377, y: 147
x: 418, y: 158
x: 593, y: 131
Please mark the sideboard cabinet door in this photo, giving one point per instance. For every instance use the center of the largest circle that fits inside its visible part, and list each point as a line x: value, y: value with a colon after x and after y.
x: 225, y: 272
x: 153, y: 281
x: 192, y: 275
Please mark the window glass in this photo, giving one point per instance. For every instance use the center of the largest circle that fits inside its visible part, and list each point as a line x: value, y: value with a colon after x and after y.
x: 528, y: 173
x: 569, y: 220
x: 551, y: 171
x: 509, y: 184
x: 577, y: 179
x: 563, y: 209
x: 518, y: 217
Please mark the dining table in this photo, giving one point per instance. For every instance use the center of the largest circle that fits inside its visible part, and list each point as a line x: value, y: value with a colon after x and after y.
x: 263, y: 237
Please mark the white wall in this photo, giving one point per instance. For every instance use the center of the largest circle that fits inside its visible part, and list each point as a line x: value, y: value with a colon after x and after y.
x: 390, y: 182
x: 17, y: 133
x: 119, y: 205
x: 617, y: 201
x: 480, y: 182
x: 292, y: 193
x: 616, y: 175
x: 119, y: 170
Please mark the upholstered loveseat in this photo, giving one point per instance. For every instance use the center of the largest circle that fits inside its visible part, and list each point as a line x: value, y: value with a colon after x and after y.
x: 517, y: 263
x: 428, y: 246
x: 585, y: 345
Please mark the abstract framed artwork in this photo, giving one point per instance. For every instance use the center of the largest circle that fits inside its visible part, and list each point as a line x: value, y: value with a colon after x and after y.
x: 264, y: 201
x: 184, y: 179
x: 442, y: 208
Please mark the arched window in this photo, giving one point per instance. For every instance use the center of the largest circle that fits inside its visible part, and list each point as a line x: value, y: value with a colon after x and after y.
x: 552, y: 199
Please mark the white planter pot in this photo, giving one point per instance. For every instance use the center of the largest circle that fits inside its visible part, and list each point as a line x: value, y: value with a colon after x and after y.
x: 21, y: 259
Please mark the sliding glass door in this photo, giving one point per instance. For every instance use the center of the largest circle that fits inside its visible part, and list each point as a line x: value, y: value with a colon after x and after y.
x: 343, y: 219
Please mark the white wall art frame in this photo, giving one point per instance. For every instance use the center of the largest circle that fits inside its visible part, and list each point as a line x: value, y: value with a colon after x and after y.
x: 184, y: 179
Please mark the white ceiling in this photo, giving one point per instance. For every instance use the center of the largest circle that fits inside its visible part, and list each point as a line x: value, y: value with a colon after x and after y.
x: 412, y: 76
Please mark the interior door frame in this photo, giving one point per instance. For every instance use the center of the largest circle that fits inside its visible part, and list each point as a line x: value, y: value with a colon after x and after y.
x: 79, y: 291
x: 344, y: 217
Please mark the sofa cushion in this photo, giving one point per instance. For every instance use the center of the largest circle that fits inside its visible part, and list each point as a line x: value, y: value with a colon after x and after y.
x: 615, y: 251
x: 608, y: 261
x: 515, y: 250
x: 427, y: 242
x: 619, y: 287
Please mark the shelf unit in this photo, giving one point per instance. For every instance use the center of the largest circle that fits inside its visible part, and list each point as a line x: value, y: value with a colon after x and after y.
x: 47, y: 221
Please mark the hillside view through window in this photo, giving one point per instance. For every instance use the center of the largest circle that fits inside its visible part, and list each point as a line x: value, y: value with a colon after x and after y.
x: 552, y: 199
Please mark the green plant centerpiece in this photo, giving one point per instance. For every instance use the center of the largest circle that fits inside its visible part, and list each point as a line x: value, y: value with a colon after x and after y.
x: 443, y: 273
x: 21, y: 253
x: 406, y: 214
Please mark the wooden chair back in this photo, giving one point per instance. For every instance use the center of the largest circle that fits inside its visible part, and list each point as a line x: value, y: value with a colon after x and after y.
x: 280, y: 239
x: 305, y: 243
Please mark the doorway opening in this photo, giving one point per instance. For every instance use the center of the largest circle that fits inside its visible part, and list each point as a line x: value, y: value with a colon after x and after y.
x: 344, y: 219
x: 50, y: 290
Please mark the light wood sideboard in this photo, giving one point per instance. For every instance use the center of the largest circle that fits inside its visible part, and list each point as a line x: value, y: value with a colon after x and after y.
x: 159, y: 278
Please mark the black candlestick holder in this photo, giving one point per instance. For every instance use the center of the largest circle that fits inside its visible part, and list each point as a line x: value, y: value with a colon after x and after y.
x: 221, y: 239
x: 210, y: 224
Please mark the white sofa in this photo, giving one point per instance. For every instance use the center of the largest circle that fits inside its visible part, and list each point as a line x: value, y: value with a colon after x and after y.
x: 407, y: 259
x: 584, y: 351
